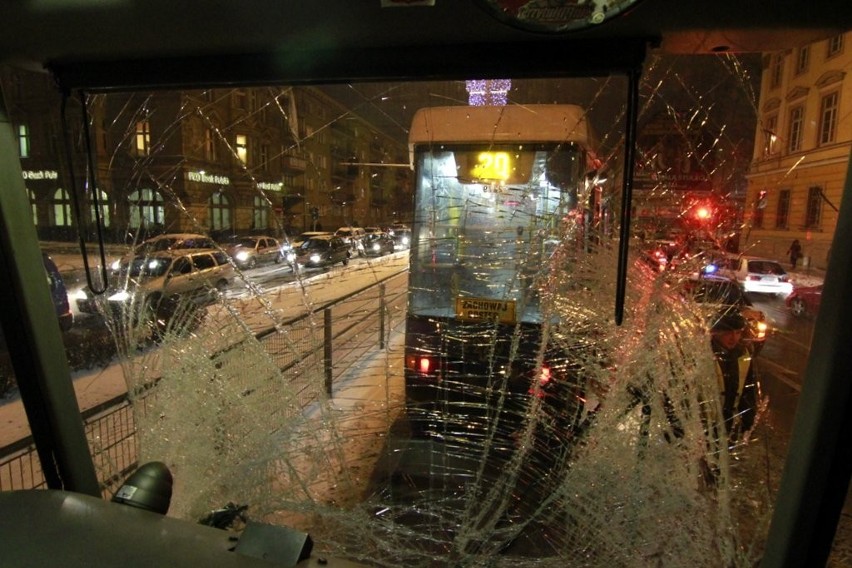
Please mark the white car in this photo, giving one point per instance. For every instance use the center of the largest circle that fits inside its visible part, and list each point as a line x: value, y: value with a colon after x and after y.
x: 159, y: 280
x: 166, y: 242
x: 759, y: 275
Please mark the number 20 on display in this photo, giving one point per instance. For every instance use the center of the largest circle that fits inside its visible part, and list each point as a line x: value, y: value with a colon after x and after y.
x: 493, y: 165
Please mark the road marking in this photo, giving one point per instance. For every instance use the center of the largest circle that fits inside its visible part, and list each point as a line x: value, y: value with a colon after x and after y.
x: 782, y: 373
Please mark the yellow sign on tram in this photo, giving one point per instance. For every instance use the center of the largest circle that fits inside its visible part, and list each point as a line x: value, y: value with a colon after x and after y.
x: 485, y: 309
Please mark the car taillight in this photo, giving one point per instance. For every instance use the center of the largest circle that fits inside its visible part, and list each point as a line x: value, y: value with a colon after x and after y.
x: 760, y: 330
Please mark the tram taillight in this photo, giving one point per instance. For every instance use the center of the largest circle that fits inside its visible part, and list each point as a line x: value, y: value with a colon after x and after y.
x: 421, y: 363
x: 544, y: 376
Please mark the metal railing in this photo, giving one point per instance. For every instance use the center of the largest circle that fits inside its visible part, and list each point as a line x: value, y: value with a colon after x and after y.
x: 349, y: 328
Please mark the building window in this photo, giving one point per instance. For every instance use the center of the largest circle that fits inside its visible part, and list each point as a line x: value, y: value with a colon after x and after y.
x: 24, y: 141
x: 835, y: 46
x: 803, y: 57
x: 240, y: 99
x: 828, y: 118
x: 143, y: 138
x: 210, y: 145
x: 33, y: 206
x: 260, y: 217
x: 776, y: 71
x: 103, y: 208
x: 220, y: 212
x: 770, y: 137
x: 101, y: 137
x: 146, y: 209
x: 242, y: 148
x: 794, y: 130
x: 264, y: 157
x: 61, y: 208
x: 812, y: 213
x: 783, y: 212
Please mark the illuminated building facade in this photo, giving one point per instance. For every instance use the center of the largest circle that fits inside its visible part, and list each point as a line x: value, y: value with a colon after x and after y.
x: 217, y: 161
x: 801, y: 150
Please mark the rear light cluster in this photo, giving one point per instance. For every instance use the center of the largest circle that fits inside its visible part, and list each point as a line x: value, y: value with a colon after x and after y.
x: 423, y: 364
x: 544, y: 377
x: 760, y: 329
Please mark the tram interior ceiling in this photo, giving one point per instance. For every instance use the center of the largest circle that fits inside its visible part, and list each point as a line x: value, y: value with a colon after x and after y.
x: 538, y: 397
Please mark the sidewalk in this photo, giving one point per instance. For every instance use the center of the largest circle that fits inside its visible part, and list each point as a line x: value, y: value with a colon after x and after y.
x: 91, y: 387
x: 806, y: 276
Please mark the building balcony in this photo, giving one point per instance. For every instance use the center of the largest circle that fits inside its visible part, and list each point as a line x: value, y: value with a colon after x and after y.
x: 293, y: 164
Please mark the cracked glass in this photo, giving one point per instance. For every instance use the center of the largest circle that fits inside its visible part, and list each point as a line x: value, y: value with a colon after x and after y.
x: 464, y: 396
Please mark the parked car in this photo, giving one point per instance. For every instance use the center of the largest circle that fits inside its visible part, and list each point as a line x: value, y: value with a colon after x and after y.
x: 290, y: 244
x: 322, y: 250
x: 165, y: 242
x: 723, y: 295
x: 759, y: 275
x: 658, y: 254
x: 804, y: 300
x: 149, y: 281
x: 248, y: 252
x: 402, y: 238
x: 353, y: 236
x: 378, y: 244
x: 58, y: 293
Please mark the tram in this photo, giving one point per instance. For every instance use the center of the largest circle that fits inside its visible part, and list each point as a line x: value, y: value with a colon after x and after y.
x: 495, y: 187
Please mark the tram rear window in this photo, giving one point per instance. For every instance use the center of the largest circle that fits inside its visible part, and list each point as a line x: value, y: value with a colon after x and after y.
x: 485, y: 219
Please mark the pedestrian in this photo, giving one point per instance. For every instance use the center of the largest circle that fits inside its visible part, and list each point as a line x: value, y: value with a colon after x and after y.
x: 735, y: 372
x: 795, y: 251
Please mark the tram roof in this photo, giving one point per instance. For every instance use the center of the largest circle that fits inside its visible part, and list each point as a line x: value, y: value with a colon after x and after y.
x: 500, y: 124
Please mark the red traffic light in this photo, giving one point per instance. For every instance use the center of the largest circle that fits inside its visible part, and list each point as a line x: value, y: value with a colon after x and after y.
x: 703, y: 213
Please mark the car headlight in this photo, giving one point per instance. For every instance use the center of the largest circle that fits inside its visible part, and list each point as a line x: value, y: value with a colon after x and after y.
x: 760, y: 330
x: 81, y: 294
x: 291, y: 256
x: 405, y: 240
x: 121, y: 296
x: 315, y: 258
x: 116, y: 264
x: 377, y: 247
x: 242, y: 256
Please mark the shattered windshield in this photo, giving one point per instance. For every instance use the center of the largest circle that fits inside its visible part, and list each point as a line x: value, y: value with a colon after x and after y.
x: 470, y: 400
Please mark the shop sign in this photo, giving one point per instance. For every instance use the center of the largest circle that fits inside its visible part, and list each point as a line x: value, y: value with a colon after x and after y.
x: 40, y: 174
x: 270, y: 186
x: 203, y: 177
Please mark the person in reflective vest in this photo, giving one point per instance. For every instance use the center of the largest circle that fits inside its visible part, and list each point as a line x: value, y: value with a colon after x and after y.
x: 735, y: 372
